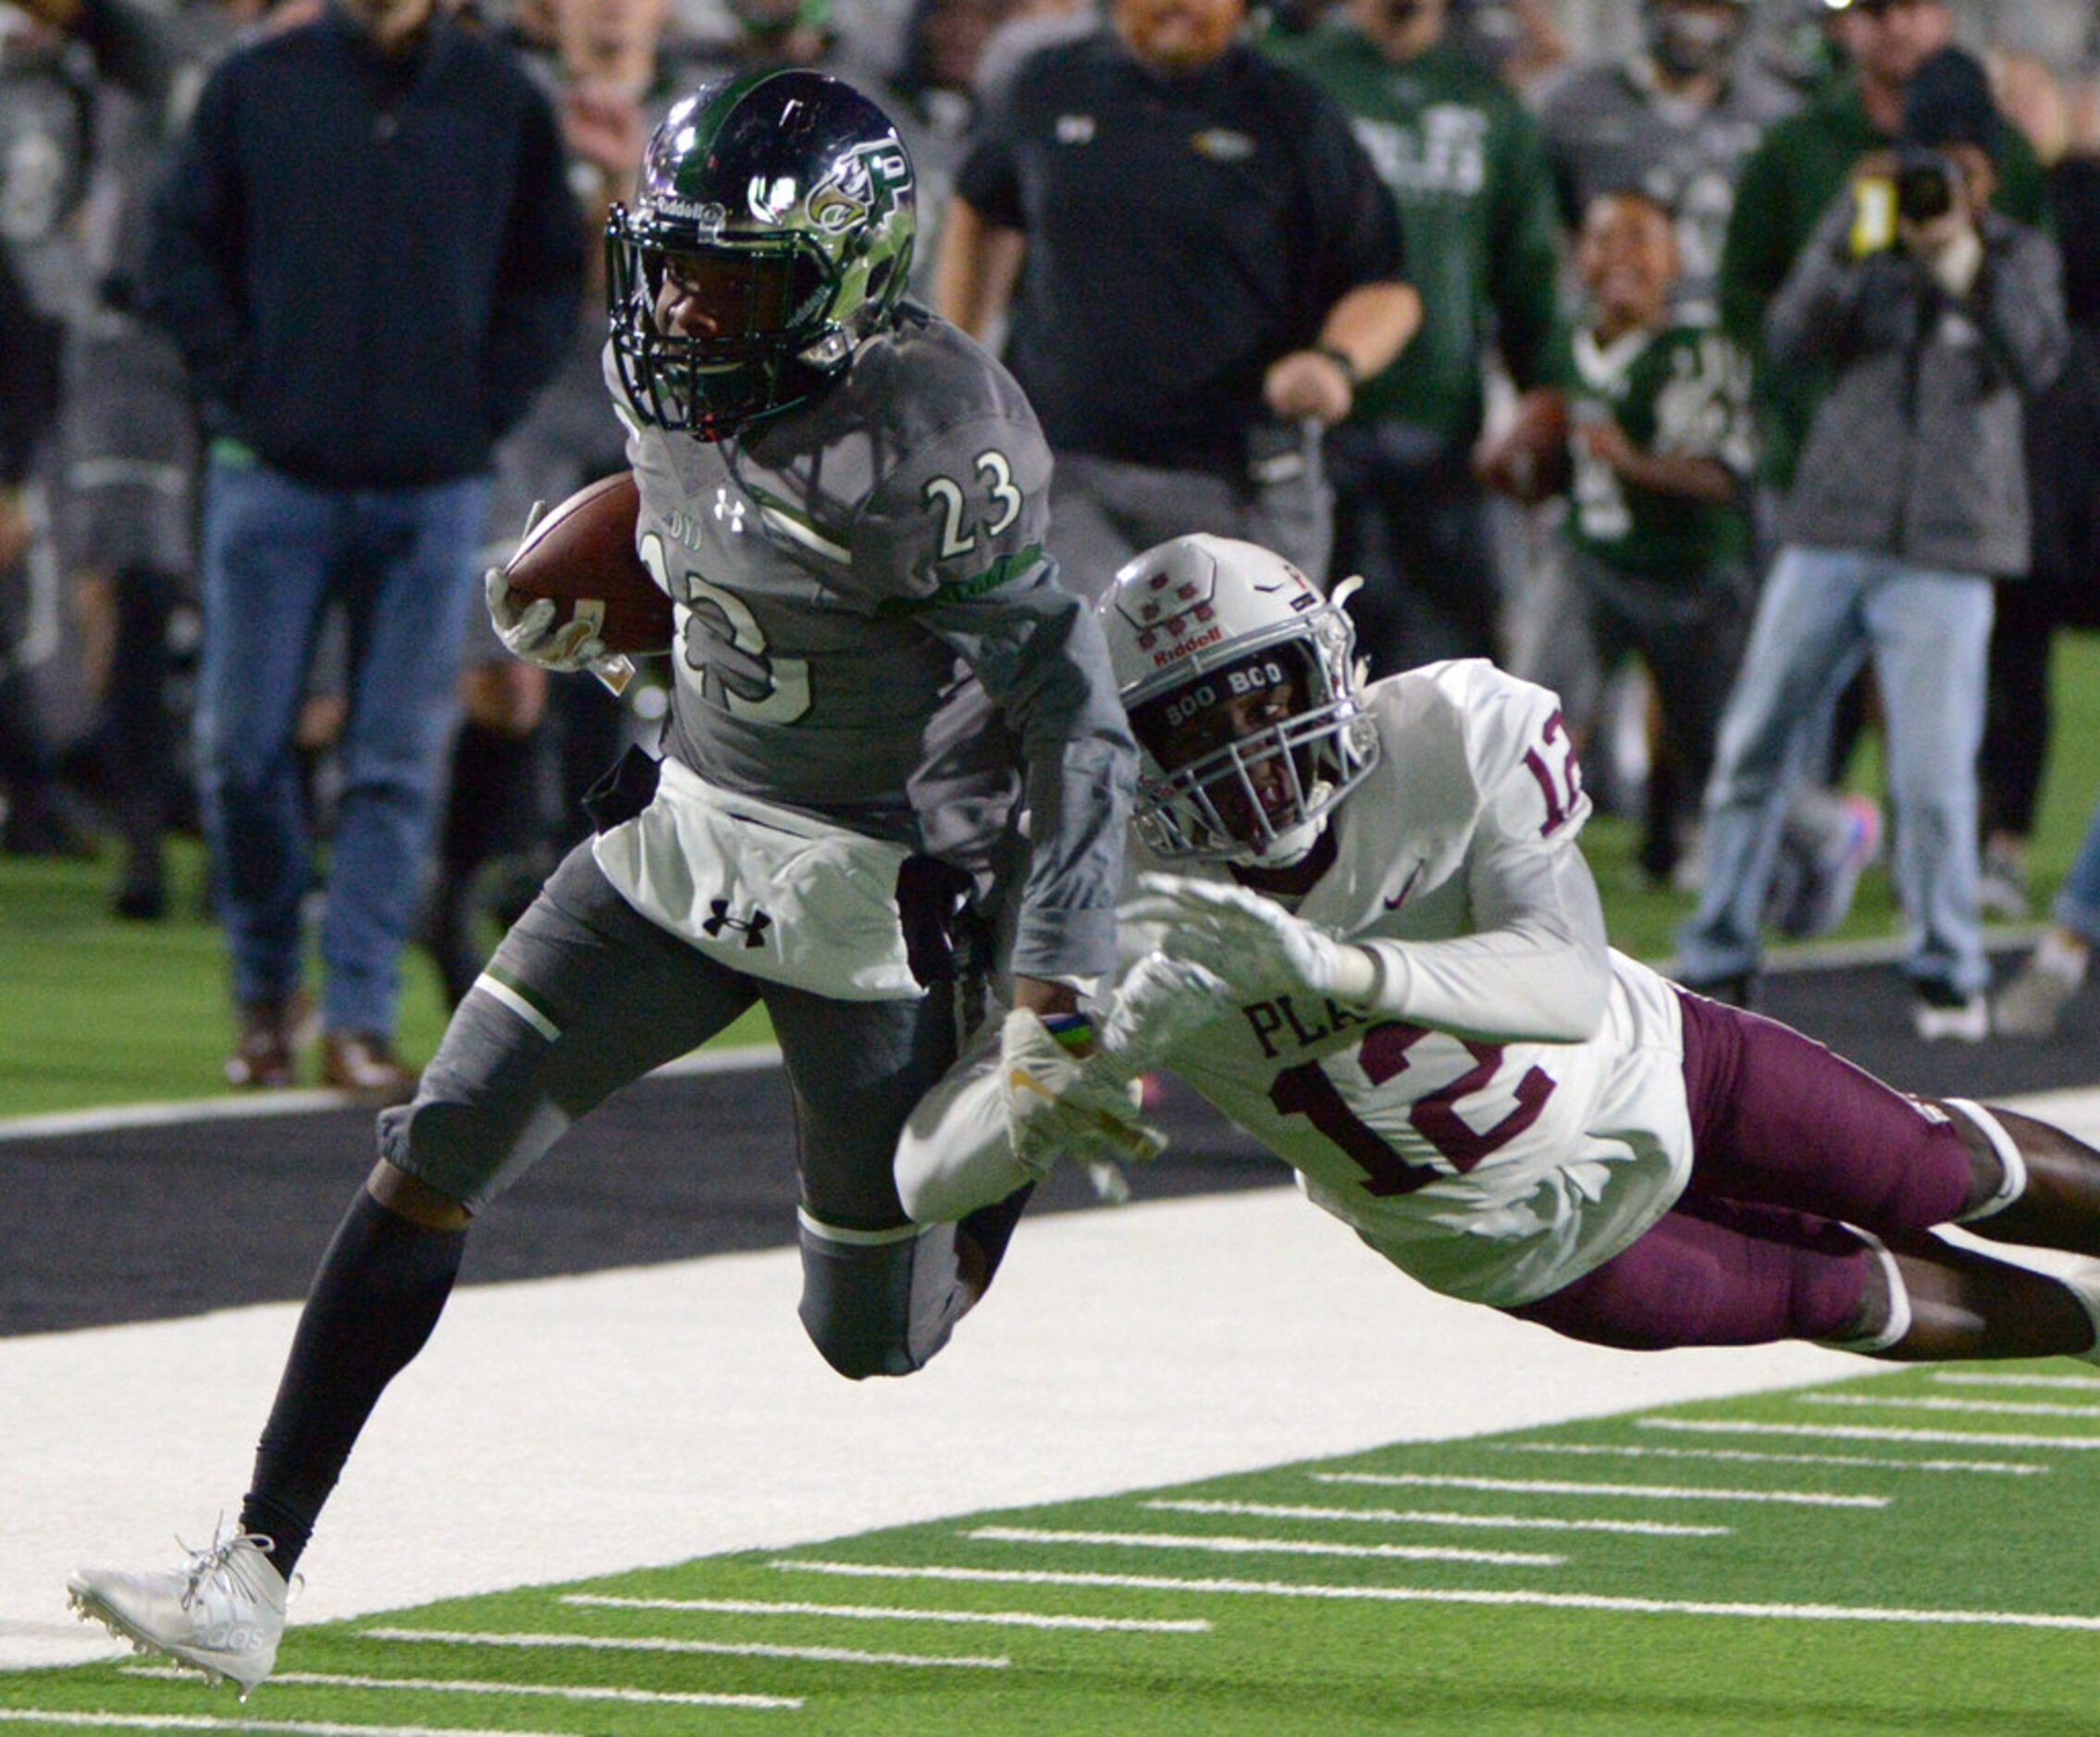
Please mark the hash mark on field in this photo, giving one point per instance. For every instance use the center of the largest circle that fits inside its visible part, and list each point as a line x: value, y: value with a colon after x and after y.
x: 1859, y: 1432
x: 203, y: 1721
x: 1751, y: 1454
x: 660, y: 1643
x: 1264, y: 1546
x: 454, y: 1685
x: 1999, y: 1379
x: 1458, y: 1595
x: 885, y: 1613
x: 1659, y: 1492
x: 1399, y: 1516
x: 1925, y: 1402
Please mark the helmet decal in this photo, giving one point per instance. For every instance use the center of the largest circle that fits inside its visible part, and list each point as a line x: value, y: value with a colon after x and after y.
x: 865, y: 179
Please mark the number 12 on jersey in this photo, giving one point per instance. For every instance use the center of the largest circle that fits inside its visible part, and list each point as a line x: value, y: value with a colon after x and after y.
x: 1307, y: 1091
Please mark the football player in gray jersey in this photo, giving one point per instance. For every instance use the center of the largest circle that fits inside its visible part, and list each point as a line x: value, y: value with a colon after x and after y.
x: 877, y: 677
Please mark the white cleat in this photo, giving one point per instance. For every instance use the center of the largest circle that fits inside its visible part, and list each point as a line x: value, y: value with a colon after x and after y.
x: 222, y: 1615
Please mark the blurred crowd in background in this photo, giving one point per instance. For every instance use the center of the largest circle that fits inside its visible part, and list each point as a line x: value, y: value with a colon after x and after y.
x: 1582, y: 461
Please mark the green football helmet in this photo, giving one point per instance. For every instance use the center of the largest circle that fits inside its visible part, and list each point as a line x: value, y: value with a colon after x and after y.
x: 781, y: 202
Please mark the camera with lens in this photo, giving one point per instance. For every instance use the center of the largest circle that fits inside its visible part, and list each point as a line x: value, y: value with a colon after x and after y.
x: 1925, y: 182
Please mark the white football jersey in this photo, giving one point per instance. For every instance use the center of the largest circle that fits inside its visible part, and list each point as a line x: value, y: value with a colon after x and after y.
x: 1487, y: 1165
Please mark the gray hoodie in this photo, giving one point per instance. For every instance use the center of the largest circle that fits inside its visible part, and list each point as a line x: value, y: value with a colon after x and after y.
x: 1915, y: 450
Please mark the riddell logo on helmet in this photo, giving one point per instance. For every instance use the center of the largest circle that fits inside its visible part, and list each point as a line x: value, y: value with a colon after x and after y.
x: 1181, y: 648
x: 707, y: 218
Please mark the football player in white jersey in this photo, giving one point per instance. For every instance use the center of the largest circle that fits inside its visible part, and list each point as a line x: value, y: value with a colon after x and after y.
x: 876, y: 675
x: 1380, y: 951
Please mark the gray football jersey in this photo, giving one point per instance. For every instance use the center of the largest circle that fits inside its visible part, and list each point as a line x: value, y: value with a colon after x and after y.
x: 1608, y: 126
x: 868, y: 628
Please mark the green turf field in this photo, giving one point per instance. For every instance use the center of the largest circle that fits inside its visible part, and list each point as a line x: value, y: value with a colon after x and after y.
x: 106, y: 1011
x: 1903, y: 1553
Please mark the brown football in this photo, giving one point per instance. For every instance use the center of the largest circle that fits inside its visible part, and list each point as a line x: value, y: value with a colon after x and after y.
x: 581, y: 555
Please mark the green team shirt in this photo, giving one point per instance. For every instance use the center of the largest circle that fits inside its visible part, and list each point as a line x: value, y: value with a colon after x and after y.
x: 1466, y: 164
x: 1786, y: 185
x: 1680, y: 391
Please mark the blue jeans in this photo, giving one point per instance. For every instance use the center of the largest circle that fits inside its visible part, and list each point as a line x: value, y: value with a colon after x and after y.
x: 2077, y: 899
x: 401, y: 564
x: 1929, y: 635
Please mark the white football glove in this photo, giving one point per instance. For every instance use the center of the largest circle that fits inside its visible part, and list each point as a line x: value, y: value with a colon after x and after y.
x: 1157, y: 1007
x: 528, y: 632
x: 1061, y: 1106
x: 1252, y: 945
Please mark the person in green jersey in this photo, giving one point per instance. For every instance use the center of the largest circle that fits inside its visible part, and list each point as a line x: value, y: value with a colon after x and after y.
x: 1659, y: 448
x: 1466, y: 164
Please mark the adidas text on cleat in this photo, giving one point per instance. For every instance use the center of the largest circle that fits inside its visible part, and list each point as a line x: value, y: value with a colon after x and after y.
x: 223, y: 1614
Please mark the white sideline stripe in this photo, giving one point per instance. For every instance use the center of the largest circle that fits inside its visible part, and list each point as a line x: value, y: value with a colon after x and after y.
x: 2012, y: 1467
x: 1861, y: 1432
x: 1659, y: 1492
x: 200, y: 1721
x: 454, y: 1685
x: 1463, y: 1595
x: 1261, y: 1547
x: 888, y: 1613
x: 1417, y: 1517
x: 1921, y: 1402
x: 172, y: 1112
x: 663, y: 1643
x: 504, y: 995
x: 1950, y: 1378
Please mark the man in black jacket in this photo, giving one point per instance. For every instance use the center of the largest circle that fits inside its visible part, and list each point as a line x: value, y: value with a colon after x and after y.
x: 367, y: 253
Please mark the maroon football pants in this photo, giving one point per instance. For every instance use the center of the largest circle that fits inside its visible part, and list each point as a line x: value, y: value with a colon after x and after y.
x: 1791, y: 1144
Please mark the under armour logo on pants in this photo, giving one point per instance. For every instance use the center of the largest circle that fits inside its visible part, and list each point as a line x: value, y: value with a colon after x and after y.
x: 754, y: 932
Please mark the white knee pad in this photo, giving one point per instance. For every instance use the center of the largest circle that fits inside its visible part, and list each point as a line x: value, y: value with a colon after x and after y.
x: 1899, y: 1315
x: 2014, y: 1182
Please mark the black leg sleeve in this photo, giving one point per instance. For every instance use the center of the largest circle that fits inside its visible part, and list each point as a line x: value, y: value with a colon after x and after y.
x: 379, y: 1291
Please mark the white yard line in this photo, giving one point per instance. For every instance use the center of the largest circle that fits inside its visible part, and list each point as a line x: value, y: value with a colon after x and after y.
x: 1859, y: 1432
x: 1978, y: 1378
x: 1458, y: 1595
x: 1657, y: 1492
x: 1923, y: 1403
x: 1260, y: 1546
x: 664, y: 1644
x: 455, y: 1685
x: 1751, y: 1456
x: 1416, y: 1517
x: 888, y: 1613
x: 201, y: 1721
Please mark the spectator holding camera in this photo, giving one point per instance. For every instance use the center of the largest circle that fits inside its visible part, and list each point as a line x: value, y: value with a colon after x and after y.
x: 1807, y: 160
x: 1933, y: 318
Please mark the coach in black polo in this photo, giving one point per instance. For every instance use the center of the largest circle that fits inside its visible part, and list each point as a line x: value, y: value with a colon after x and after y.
x: 1196, y: 263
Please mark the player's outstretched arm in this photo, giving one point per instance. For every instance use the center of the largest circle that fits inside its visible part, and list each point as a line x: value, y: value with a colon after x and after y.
x: 1017, y: 1101
x: 1537, y: 970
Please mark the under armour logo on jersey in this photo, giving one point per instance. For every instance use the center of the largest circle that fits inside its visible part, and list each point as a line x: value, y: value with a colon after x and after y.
x: 732, y: 511
x: 1075, y: 130
x: 753, y: 931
